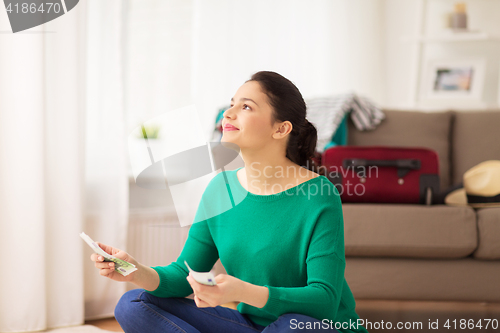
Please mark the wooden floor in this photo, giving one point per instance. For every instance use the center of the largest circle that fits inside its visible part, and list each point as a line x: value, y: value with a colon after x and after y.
x: 109, y: 324
x: 397, y: 311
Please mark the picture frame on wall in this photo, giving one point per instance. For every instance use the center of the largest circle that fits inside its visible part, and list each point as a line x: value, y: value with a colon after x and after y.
x: 453, y: 82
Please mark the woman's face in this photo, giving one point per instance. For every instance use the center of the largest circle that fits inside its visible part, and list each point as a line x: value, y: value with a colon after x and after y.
x: 250, y: 112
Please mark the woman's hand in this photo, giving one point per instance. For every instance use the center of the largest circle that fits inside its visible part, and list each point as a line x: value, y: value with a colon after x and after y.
x: 107, y: 268
x: 228, y: 289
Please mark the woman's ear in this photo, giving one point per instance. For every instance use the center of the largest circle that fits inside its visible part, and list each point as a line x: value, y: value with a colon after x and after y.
x: 282, y: 130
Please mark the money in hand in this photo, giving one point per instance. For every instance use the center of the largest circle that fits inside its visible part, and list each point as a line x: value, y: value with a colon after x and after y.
x: 121, y: 266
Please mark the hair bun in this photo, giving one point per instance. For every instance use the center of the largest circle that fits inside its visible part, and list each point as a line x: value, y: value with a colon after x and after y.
x: 309, y: 127
x: 305, y: 133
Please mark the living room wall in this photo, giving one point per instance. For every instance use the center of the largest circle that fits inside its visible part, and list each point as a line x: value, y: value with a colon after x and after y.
x: 199, y: 52
x: 405, y: 21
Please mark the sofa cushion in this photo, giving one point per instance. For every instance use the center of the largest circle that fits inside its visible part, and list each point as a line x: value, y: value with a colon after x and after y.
x: 412, y: 231
x: 488, y: 225
x: 411, y: 129
x: 475, y: 138
x: 465, y: 279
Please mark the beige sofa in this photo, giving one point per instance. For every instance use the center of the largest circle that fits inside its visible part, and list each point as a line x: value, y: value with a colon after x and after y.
x: 426, y: 253
x: 417, y: 252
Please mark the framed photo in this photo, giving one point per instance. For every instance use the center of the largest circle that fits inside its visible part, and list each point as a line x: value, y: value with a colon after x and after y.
x: 453, y: 81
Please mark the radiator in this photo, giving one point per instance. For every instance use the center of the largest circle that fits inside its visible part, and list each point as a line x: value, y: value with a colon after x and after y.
x: 155, y: 238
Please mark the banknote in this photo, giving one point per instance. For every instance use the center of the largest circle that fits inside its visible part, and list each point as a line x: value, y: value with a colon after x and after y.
x: 121, y: 266
x: 203, y: 278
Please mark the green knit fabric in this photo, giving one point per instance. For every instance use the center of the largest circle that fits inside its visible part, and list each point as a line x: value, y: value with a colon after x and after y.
x: 291, y: 242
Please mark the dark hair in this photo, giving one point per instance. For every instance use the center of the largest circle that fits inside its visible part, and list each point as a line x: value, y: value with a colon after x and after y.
x: 288, y: 104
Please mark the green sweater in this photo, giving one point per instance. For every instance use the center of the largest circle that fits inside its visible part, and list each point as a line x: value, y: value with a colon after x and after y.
x: 291, y: 242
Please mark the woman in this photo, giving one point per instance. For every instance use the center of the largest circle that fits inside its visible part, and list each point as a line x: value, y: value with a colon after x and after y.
x: 282, y: 244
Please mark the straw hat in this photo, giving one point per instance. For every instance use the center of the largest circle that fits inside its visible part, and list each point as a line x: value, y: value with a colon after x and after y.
x: 481, y: 187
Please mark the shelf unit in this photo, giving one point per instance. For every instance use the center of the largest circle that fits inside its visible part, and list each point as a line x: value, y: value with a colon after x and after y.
x: 462, y: 36
x: 421, y: 40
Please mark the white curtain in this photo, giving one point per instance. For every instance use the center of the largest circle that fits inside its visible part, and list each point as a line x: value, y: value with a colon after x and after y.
x: 41, y: 174
x: 62, y: 166
x: 106, y: 155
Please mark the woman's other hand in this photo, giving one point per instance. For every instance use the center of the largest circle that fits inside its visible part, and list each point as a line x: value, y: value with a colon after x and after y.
x: 228, y: 289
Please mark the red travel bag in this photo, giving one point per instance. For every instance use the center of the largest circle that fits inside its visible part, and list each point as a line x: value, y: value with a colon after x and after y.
x: 383, y: 174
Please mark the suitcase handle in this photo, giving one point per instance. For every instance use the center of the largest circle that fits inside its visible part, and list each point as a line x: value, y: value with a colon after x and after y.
x: 403, y: 165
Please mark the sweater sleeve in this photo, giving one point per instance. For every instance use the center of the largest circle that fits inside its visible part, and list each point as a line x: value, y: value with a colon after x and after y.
x: 200, y: 253
x: 325, y: 271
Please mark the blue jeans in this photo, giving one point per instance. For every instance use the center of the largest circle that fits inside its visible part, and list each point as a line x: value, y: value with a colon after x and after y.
x: 140, y: 312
